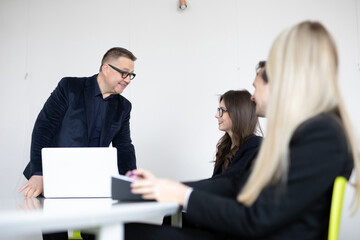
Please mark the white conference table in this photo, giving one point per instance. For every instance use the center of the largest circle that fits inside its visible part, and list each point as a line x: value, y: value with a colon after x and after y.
x: 102, y: 216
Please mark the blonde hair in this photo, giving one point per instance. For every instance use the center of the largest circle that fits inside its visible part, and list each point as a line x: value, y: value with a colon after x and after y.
x: 302, y: 69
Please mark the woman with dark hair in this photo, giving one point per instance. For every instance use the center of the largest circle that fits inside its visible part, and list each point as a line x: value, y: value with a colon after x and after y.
x: 309, y: 142
x: 239, y: 145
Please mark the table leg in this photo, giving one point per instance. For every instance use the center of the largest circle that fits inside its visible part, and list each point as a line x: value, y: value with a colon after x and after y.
x: 111, y: 231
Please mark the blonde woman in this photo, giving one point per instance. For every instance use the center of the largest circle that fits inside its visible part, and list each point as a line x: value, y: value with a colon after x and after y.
x: 309, y: 143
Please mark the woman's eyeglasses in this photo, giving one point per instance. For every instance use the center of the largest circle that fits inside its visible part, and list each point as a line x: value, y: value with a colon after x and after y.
x: 221, y: 111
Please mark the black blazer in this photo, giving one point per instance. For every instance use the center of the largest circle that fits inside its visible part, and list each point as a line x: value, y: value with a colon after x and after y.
x: 298, y: 209
x: 242, y: 160
x: 68, y: 117
x: 239, y: 166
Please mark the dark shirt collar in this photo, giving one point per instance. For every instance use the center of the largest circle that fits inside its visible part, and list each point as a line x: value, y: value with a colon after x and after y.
x: 98, y: 92
x: 97, y: 89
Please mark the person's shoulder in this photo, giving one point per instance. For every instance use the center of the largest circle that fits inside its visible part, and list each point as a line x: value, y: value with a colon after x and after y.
x: 250, y: 147
x: 324, y: 134
x: 125, y: 104
x: 123, y: 100
x: 252, y: 141
x: 322, y: 121
x: 77, y: 81
x: 255, y: 139
x: 326, y: 126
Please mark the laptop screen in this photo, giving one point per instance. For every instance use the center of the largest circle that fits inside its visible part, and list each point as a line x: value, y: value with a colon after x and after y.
x: 78, y: 172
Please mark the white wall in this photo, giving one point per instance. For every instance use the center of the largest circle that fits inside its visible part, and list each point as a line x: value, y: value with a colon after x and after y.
x: 185, y: 60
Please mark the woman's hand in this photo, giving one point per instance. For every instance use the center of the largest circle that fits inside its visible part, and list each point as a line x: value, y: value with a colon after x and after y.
x: 162, y: 190
x: 132, y: 174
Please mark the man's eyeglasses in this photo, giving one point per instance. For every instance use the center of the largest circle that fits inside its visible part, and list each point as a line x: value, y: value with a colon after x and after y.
x: 221, y: 111
x: 123, y: 73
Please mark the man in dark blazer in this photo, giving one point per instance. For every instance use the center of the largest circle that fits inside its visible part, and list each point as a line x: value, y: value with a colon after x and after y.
x: 86, y: 112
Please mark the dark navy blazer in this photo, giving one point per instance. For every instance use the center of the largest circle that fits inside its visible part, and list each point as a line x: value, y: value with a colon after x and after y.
x: 67, y: 120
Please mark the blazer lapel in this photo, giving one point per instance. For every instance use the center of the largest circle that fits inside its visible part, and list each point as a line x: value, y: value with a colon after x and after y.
x: 89, y: 92
x: 217, y: 169
x: 109, y: 121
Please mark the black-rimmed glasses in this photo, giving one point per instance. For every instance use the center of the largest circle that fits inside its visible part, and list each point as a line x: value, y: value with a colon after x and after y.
x: 221, y: 111
x: 123, y: 73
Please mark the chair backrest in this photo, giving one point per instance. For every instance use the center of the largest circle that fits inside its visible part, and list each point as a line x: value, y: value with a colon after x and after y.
x: 336, y: 206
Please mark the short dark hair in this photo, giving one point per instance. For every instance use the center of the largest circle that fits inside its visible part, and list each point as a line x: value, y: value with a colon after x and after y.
x: 260, y: 66
x: 115, y: 53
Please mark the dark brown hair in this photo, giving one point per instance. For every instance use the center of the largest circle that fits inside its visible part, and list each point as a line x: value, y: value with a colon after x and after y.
x: 115, y: 53
x: 242, y: 112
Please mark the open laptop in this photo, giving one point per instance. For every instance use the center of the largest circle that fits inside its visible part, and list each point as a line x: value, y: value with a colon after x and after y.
x: 78, y: 172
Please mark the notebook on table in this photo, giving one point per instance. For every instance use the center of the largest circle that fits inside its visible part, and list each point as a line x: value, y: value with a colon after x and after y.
x: 121, y: 190
x: 78, y: 172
